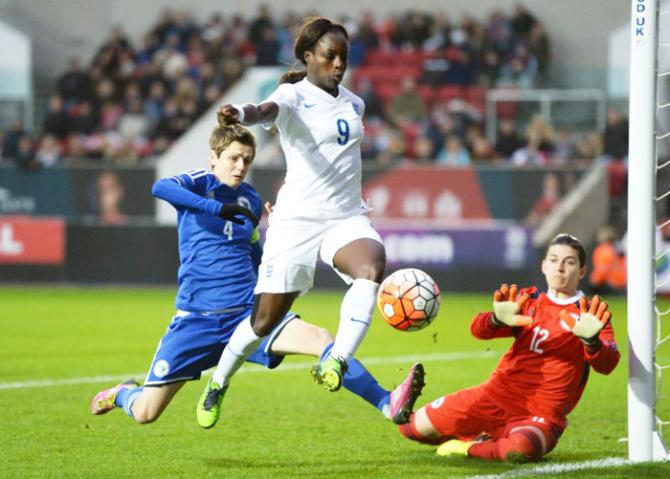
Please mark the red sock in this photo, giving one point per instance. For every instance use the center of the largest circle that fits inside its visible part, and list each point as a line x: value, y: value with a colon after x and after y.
x: 522, y: 445
x: 409, y: 431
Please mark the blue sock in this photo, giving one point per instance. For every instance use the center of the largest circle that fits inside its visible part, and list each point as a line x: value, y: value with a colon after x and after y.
x: 126, y: 397
x: 359, y: 381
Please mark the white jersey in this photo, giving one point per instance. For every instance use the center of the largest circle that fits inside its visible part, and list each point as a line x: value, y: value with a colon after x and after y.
x: 321, y: 137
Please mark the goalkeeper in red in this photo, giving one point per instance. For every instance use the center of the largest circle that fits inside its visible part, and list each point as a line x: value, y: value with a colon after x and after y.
x: 521, y: 411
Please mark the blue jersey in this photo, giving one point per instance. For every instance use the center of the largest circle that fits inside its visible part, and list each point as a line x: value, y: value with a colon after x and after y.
x: 218, y: 258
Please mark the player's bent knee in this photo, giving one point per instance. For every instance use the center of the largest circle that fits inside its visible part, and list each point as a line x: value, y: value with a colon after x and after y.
x: 420, y: 429
x: 263, y: 324
x: 373, y: 271
x: 145, y: 417
x: 423, y: 425
x: 523, y: 447
x: 145, y: 414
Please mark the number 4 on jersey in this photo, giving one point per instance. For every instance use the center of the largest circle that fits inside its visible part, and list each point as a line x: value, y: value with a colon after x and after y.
x: 228, y: 230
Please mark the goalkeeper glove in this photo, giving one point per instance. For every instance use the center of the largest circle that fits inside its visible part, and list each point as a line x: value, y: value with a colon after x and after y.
x: 506, y: 306
x: 587, y: 327
x: 230, y: 210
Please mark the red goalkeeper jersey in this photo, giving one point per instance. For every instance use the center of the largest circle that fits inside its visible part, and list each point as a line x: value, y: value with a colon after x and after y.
x: 546, y: 369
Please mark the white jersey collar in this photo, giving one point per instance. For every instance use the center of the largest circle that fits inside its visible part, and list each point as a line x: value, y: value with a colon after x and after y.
x: 564, y: 301
x: 318, y: 91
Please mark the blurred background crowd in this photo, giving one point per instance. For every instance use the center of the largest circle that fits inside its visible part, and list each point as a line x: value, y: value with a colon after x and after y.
x: 423, y: 76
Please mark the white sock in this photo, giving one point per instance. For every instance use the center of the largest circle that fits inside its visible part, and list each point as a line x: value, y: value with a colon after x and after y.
x: 355, y: 317
x: 242, y: 343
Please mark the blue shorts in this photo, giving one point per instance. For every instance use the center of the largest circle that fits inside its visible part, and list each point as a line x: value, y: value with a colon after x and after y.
x: 194, y: 343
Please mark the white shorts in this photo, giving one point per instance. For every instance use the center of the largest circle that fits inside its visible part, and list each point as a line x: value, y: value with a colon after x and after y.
x: 293, y: 246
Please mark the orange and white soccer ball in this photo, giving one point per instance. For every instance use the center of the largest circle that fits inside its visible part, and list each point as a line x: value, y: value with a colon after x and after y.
x: 409, y: 299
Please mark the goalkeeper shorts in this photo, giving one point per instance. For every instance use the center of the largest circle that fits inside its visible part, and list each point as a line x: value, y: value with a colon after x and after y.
x: 469, y: 413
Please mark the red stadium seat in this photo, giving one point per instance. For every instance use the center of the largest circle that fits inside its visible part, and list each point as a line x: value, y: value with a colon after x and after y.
x: 453, y: 54
x: 506, y: 109
x: 379, y: 57
x: 427, y: 93
x: 395, y: 58
x: 475, y: 94
x: 412, y: 58
x: 396, y: 74
x: 618, y: 176
x: 375, y: 74
x: 387, y: 91
x: 448, y: 92
x: 411, y: 133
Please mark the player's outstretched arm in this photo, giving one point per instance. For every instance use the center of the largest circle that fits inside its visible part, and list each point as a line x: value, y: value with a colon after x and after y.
x: 248, y: 114
x: 179, y: 195
x: 507, y: 302
x: 230, y: 211
x: 590, y: 322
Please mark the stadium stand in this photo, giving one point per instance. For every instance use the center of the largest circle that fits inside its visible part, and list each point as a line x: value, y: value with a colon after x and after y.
x: 423, y: 76
x: 133, y: 101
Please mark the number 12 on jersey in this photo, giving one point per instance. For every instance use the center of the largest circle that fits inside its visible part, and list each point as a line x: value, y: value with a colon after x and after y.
x: 342, y: 131
x: 539, y: 335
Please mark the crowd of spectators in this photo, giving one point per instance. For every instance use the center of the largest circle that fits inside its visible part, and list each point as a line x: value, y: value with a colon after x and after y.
x: 134, y: 100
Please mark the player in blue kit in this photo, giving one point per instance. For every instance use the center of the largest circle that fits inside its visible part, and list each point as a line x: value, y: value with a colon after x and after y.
x: 219, y: 252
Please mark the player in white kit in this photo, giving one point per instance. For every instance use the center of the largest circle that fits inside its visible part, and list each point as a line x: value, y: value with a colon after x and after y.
x: 319, y: 211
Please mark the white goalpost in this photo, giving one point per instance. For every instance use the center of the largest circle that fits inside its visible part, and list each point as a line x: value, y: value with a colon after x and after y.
x: 644, y: 439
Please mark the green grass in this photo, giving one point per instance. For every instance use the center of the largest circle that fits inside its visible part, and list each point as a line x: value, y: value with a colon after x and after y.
x: 275, y: 424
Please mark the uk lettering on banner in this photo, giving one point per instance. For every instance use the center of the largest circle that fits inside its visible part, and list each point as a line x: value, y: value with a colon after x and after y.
x: 26, y: 240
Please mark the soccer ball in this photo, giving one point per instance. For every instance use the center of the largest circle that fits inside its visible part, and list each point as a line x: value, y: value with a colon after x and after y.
x: 408, y: 299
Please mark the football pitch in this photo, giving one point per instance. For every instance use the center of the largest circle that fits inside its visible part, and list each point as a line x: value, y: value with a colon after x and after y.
x: 61, y: 345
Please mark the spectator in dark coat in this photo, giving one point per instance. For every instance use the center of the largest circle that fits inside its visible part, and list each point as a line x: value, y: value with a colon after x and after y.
x: 522, y: 21
x: 57, y: 121
x: 260, y: 24
x: 508, y: 140
x: 616, y: 135
x: 267, y: 48
x: 10, y: 143
x: 83, y: 119
x: 73, y: 84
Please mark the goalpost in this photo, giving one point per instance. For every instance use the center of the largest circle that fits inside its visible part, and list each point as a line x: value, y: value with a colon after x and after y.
x: 644, y: 439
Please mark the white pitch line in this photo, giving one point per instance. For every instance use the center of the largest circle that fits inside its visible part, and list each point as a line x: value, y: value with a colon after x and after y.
x: 559, y: 468
x: 252, y: 368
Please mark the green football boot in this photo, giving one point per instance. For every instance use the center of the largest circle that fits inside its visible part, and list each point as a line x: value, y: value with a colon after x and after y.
x: 454, y: 448
x: 330, y: 373
x: 209, y: 405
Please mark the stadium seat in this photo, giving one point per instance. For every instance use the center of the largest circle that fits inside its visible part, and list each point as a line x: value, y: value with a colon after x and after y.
x: 387, y: 91
x: 379, y: 57
x: 448, y: 92
x: 476, y: 96
x: 506, y: 109
x: 427, y: 93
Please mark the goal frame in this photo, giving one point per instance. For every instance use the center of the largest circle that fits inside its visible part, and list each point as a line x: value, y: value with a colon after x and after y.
x: 644, y: 441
